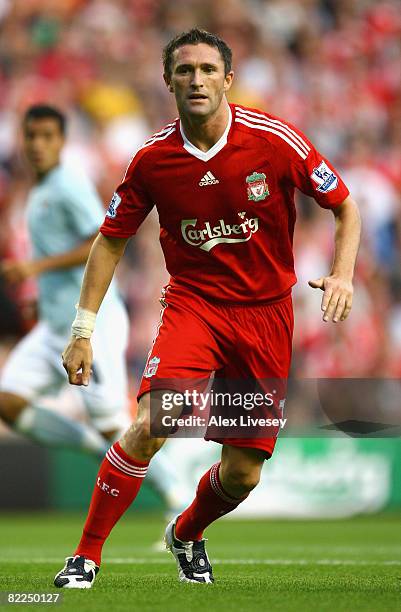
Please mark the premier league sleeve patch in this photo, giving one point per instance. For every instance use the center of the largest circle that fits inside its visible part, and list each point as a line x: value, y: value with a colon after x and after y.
x: 324, y: 177
x: 112, y: 209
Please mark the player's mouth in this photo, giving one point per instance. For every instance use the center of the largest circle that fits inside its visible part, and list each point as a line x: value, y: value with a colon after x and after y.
x: 37, y: 159
x: 197, y: 96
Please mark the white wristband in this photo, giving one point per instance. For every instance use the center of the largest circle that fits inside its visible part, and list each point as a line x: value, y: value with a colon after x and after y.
x: 84, y: 323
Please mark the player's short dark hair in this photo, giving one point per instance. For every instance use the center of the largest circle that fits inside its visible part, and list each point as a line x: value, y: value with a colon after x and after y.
x: 44, y: 111
x: 194, y: 37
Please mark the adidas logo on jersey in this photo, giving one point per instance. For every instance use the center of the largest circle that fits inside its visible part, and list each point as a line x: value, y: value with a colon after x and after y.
x: 208, y: 179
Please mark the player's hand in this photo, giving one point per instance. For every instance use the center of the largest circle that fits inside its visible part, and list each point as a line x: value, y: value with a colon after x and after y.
x: 18, y: 271
x: 77, y: 361
x: 337, y: 297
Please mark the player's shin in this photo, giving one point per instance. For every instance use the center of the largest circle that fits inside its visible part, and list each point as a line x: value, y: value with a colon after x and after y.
x: 211, y: 502
x: 53, y: 429
x: 118, y: 482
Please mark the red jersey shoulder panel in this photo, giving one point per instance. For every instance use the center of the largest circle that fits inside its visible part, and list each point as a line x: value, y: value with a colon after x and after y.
x: 131, y: 202
x: 153, y: 143
x: 296, y: 159
x: 161, y: 135
x: 276, y: 131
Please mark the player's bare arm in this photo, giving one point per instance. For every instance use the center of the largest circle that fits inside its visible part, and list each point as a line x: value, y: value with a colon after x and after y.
x: 337, y: 286
x: 18, y: 271
x: 103, y: 259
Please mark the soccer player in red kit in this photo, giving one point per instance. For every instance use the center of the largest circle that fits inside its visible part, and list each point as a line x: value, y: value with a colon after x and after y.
x: 222, y: 178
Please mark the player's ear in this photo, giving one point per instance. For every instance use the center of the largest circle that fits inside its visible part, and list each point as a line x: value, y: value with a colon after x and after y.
x: 167, y: 80
x: 228, y: 79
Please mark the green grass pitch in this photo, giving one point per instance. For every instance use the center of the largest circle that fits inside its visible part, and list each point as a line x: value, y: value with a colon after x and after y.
x: 281, y: 566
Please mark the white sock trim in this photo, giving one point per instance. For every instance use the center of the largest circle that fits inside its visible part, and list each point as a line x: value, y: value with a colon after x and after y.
x: 123, y: 466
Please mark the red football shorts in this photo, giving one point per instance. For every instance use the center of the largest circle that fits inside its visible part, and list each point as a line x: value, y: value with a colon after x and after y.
x: 197, y: 337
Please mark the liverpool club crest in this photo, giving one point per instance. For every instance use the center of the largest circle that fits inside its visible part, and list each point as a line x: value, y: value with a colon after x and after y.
x: 151, y: 367
x: 257, y: 187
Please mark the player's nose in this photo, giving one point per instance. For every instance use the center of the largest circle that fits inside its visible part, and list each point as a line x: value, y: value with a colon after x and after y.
x: 37, y: 144
x: 196, y: 80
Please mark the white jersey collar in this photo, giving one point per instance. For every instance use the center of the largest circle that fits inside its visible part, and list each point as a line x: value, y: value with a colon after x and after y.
x: 216, y: 148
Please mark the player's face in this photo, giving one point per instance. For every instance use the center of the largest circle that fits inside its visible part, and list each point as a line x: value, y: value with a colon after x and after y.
x: 198, y: 80
x: 43, y: 142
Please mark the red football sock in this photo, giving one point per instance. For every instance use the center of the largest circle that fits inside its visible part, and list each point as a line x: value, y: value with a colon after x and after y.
x: 210, y: 503
x: 118, y: 482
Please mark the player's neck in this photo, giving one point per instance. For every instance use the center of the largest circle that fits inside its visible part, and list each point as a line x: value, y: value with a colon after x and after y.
x: 41, y: 175
x: 204, y: 132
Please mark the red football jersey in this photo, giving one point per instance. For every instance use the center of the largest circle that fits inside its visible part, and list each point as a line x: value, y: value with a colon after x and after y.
x: 226, y: 215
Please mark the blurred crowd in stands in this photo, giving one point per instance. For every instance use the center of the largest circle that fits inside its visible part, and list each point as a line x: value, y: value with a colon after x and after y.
x: 331, y: 67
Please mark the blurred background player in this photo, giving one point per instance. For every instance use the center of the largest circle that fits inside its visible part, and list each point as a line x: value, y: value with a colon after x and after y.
x: 64, y: 213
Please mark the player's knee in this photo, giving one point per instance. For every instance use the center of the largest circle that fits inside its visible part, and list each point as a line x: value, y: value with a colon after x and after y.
x: 141, y: 427
x: 10, y: 406
x: 143, y: 450
x: 138, y: 442
x: 240, y: 481
x: 149, y: 449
